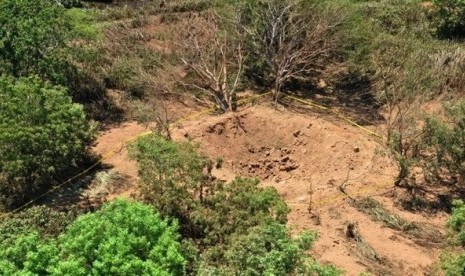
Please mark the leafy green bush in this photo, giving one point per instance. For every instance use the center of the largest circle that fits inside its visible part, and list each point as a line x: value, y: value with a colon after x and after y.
x: 42, y: 134
x: 45, y: 220
x: 124, y: 238
x: 235, y: 207
x: 169, y: 172
x: 29, y: 255
x: 449, y: 18
x: 33, y: 38
x: 267, y: 249
x: 453, y: 263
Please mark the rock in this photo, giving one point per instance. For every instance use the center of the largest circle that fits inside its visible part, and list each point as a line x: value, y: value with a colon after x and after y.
x: 297, y: 133
x: 254, y: 165
x: 356, y: 149
x: 288, y: 167
x: 322, y: 84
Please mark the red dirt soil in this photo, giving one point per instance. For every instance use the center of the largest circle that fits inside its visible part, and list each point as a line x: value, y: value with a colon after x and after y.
x: 306, y: 157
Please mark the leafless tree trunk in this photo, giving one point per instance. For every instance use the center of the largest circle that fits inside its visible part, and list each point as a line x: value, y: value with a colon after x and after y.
x: 215, y: 57
x: 294, y: 42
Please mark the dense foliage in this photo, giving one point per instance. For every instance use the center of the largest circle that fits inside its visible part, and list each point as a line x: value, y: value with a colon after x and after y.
x: 454, y: 263
x: 33, y: 39
x: 42, y: 134
x: 45, y: 221
x: 124, y: 238
x: 266, y: 249
x: 449, y: 18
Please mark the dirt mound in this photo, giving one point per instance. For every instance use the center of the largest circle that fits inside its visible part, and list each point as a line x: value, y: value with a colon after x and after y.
x: 310, y: 160
x: 296, y: 153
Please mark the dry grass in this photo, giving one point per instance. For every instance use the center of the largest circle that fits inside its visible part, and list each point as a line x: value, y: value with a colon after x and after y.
x: 106, y: 183
x: 376, y: 263
x: 422, y: 234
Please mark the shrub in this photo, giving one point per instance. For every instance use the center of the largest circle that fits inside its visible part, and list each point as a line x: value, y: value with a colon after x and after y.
x: 33, y: 37
x: 235, y: 207
x: 449, y: 18
x: 43, y: 220
x: 454, y: 264
x: 124, y: 238
x: 445, y: 140
x: 170, y: 174
x: 42, y: 134
x: 266, y: 249
x: 29, y: 255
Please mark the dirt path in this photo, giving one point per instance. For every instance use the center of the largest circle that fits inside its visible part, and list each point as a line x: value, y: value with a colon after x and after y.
x: 307, y: 158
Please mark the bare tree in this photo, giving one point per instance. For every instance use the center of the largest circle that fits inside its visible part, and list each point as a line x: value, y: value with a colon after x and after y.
x: 214, y: 56
x: 293, y: 40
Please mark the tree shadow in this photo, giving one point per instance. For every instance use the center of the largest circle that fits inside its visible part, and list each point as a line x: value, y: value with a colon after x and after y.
x: 351, y: 94
x: 93, y: 95
x: 71, y: 196
x: 429, y: 198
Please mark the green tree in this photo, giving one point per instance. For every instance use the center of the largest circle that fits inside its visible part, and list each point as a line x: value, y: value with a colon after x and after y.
x: 267, y: 249
x: 124, y: 238
x: 42, y: 134
x: 33, y: 39
x: 171, y: 174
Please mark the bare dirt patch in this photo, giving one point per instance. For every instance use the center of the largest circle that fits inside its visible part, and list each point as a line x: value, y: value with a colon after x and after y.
x: 308, y: 158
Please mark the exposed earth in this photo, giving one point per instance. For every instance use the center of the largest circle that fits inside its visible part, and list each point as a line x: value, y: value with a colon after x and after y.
x: 319, y: 164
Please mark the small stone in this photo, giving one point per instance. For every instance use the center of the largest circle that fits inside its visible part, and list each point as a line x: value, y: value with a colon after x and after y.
x: 297, y: 133
x: 356, y: 149
x: 322, y: 84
